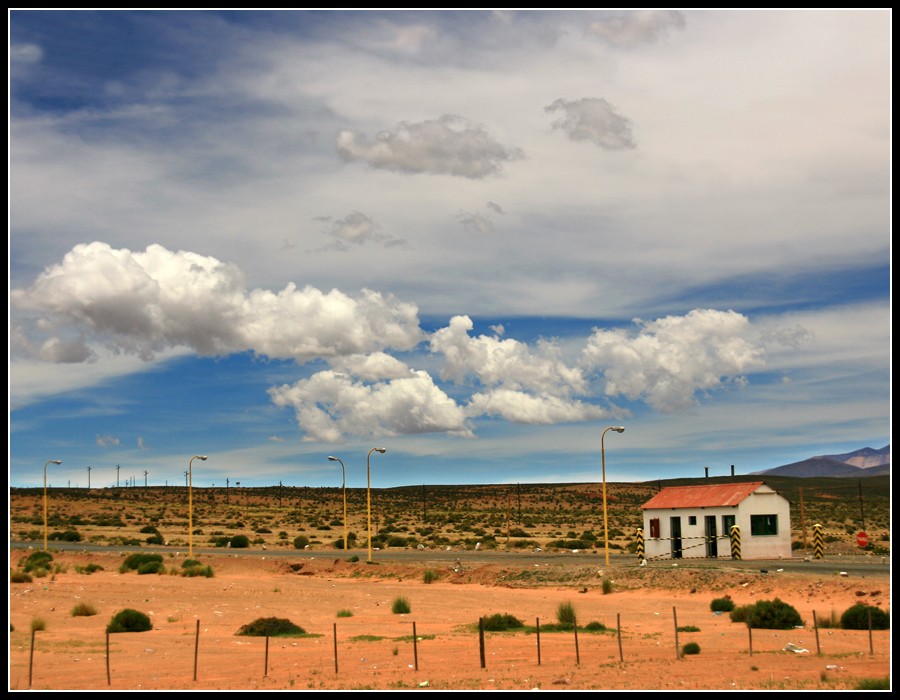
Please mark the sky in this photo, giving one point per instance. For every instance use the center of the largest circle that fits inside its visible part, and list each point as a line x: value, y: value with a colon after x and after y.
x: 476, y: 239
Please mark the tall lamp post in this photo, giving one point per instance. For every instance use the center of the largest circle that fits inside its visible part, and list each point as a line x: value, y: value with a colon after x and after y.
x: 191, y: 504
x: 618, y: 429
x: 382, y: 450
x: 52, y: 461
x: 344, y: 475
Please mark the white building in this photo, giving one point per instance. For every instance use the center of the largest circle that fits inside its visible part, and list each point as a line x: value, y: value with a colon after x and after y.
x: 688, y: 522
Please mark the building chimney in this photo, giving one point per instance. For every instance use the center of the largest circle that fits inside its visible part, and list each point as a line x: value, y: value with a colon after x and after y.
x: 707, y: 471
x: 732, y: 471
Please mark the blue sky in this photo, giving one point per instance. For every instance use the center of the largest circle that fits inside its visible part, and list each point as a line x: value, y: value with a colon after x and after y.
x: 473, y: 238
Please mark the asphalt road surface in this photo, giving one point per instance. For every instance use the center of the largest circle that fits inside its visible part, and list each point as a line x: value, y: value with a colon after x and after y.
x: 850, y: 565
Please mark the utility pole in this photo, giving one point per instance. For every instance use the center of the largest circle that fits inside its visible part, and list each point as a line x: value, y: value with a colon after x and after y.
x: 862, y: 515
x: 117, y: 476
x: 89, y: 477
x: 145, y: 477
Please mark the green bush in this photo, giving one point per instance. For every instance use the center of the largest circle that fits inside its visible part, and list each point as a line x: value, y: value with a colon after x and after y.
x: 197, y: 569
x: 271, y: 627
x: 607, y: 586
x: 690, y: 648
x: 83, y: 610
x: 301, y: 542
x: 725, y: 604
x: 400, y: 606
x: 501, y: 622
x: 595, y: 626
x: 37, y: 560
x: 38, y: 624
x: 135, y: 561
x: 430, y: 576
x: 856, y: 617
x: 67, y: 536
x: 768, y: 615
x: 19, y: 577
x: 239, y: 542
x: 129, y: 620
x: 873, y: 684
x: 565, y: 615
x: 151, y: 567
x: 88, y: 568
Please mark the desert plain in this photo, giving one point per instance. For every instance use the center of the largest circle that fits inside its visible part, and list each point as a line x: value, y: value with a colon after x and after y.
x: 633, y: 626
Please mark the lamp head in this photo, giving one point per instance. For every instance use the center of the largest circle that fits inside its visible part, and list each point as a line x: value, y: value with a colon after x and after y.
x: 619, y: 428
x: 56, y: 461
x: 382, y: 450
x: 203, y: 457
x: 334, y: 459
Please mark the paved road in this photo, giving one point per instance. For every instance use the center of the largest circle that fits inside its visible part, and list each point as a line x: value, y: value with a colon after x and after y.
x: 851, y: 565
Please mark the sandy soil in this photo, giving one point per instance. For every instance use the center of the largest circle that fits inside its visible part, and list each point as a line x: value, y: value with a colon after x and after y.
x: 355, y: 641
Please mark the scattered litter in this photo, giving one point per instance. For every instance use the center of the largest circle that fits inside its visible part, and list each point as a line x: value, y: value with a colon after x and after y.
x: 423, y: 684
x: 794, y: 648
x: 832, y: 667
x: 842, y: 573
x: 561, y: 681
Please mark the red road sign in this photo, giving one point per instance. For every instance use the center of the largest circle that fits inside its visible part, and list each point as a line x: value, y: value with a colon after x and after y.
x: 862, y: 539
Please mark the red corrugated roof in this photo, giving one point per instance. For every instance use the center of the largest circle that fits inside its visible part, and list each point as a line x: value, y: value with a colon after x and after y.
x: 702, y: 496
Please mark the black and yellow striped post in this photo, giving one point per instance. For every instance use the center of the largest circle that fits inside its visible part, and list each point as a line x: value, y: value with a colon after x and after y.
x: 639, y: 533
x: 735, y: 542
x: 818, y: 542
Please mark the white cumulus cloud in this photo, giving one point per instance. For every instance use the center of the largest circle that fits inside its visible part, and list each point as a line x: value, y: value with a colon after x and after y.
x: 667, y: 361
x: 144, y: 303
x: 328, y: 406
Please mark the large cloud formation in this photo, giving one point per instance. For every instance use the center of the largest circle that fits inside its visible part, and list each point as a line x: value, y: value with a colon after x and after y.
x: 143, y: 303
x: 671, y: 359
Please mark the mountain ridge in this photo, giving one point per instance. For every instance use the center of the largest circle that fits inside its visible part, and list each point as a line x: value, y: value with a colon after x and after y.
x: 864, y: 462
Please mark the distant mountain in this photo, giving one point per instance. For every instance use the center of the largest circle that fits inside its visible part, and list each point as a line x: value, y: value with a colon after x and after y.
x: 859, y: 463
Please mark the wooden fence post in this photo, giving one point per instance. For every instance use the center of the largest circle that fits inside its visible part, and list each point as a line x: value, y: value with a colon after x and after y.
x: 481, y: 639
x: 619, y: 635
x: 196, y: 648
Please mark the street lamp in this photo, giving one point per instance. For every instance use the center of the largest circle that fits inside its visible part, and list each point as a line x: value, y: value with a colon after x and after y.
x: 191, y: 504
x: 382, y: 450
x: 344, y: 474
x: 618, y: 429
x: 52, y: 461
